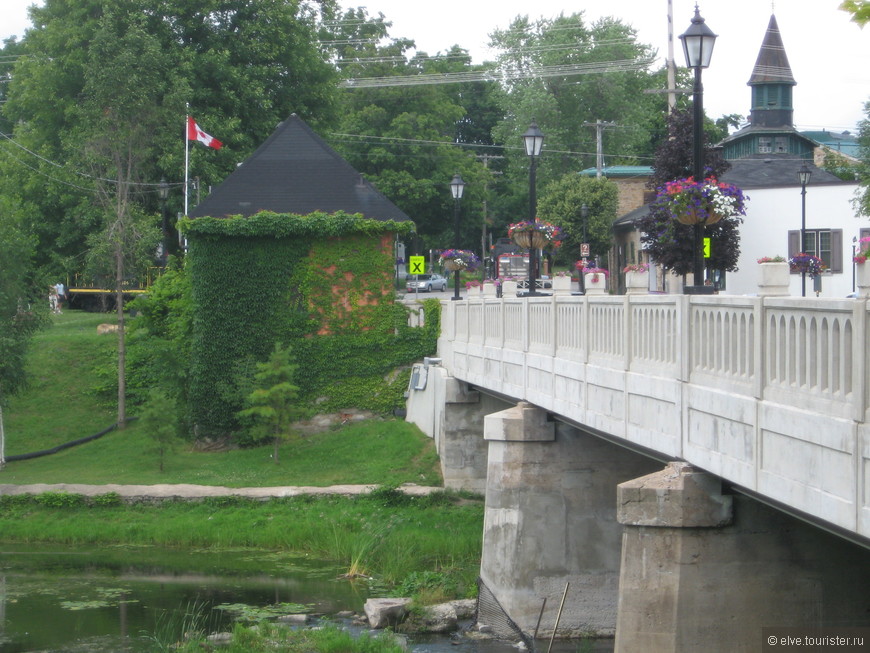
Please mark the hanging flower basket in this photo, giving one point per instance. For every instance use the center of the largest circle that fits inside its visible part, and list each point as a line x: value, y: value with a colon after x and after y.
x: 534, y: 234
x: 806, y: 263
x: 706, y: 202
x: 458, y: 259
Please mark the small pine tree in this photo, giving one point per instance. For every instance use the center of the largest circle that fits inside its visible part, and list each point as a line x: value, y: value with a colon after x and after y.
x: 159, y: 419
x: 272, y: 405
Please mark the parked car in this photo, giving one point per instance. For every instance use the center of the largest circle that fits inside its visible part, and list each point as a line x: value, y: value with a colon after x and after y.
x: 426, y: 282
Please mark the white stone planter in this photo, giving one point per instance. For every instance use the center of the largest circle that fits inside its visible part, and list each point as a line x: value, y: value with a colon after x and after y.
x: 594, y: 287
x: 509, y: 289
x: 489, y: 289
x: 773, y: 279
x: 636, y: 283
x: 862, y: 279
x: 561, y: 285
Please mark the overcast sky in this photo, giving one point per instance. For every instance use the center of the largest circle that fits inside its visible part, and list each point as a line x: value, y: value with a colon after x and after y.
x: 829, y: 54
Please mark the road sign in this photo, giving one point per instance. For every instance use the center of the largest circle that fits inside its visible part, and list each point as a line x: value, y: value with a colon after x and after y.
x: 584, y: 250
x: 707, y: 248
x: 418, y: 264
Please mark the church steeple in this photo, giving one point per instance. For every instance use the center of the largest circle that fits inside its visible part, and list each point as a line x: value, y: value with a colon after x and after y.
x: 772, y: 83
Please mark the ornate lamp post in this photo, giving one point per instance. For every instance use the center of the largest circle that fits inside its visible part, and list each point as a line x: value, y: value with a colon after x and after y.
x: 804, y: 175
x: 163, y: 193
x: 698, y: 42
x: 584, y: 247
x: 457, y: 186
x: 533, y: 140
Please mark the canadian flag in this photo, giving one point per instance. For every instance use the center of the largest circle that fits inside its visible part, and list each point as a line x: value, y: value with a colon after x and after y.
x: 195, y: 133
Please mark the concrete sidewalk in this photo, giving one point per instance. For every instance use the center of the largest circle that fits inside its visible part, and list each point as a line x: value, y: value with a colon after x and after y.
x: 186, y: 491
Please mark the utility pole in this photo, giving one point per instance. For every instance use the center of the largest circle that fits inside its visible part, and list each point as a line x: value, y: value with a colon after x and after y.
x: 671, y: 65
x: 486, y: 159
x: 599, y: 150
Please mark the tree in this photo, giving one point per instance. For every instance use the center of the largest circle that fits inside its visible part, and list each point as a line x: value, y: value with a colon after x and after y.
x: 158, y: 419
x: 126, y: 96
x: 404, y: 137
x: 671, y: 244
x: 273, y: 405
x: 860, y: 10
x: 570, y: 77
x: 862, y: 201
x: 242, y: 66
x: 562, y: 203
x: 23, y: 307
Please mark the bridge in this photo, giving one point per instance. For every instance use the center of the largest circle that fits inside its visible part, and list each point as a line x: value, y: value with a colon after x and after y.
x: 697, y: 468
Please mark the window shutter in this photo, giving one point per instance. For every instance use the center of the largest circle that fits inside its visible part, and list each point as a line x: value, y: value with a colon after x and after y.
x: 794, y: 240
x: 836, y: 250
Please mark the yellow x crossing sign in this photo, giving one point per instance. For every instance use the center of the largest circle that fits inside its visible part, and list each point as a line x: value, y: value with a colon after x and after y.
x: 418, y: 264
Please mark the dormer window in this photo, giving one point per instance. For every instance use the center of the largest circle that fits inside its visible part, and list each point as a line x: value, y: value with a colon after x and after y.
x: 780, y: 144
x: 764, y: 145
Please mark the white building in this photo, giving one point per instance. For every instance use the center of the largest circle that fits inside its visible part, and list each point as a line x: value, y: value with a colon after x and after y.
x: 765, y: 158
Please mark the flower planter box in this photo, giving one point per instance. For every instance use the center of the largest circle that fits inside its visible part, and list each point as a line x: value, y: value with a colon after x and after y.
x: 636, y: 283
x: 773, y: 279
x: 596, y: 283
x: 862, y: 279
x: 490, y: 289
x: 561, y: 285
x: 509, y: 289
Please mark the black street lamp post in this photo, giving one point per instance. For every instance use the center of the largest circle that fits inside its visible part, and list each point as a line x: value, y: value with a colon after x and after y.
x: 804, y: 175
x: 698, y: 42
x: 533, y: 140
x: 584, y: 213
x: 457, y: 186
x: 163, y: 192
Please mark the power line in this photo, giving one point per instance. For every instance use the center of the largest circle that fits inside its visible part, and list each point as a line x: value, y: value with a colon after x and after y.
x: 494, y: 75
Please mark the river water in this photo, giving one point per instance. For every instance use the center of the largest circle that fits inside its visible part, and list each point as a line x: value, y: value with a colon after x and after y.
x: 113, y: 599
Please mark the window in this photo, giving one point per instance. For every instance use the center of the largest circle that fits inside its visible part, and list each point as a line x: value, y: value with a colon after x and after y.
x: 781, y: 144
x: 764, y: 144
x: 827, y: 244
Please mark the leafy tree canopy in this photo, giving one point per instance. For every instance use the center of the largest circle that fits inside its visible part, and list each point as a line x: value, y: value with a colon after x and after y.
x: 562, y: 203
x: 607, y: 74
x: 242, y: 67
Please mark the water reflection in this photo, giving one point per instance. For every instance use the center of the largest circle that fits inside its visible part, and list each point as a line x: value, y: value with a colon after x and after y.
x: 123, y: 598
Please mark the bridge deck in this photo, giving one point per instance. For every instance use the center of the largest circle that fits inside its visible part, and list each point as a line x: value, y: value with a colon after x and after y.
x: 771, y: 394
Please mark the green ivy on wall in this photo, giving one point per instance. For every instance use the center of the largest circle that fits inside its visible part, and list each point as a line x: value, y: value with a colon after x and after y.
x: 321, y: 283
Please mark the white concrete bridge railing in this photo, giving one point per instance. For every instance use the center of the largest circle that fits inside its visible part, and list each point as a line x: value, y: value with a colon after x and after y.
x: 768, y: 393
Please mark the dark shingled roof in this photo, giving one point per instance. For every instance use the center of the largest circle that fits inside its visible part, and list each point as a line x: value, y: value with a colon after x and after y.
x: 772, y: 66
x: 768, y: 171
x: 295, y: 171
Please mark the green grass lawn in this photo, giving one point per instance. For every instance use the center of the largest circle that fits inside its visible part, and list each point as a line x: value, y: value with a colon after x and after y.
x: 62, y: 403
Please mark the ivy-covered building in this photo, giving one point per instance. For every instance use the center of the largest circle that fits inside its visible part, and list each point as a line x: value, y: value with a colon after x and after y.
x: 296, y: 247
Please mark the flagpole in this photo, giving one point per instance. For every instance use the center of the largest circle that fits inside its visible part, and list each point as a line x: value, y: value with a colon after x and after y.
x: 186, y: 159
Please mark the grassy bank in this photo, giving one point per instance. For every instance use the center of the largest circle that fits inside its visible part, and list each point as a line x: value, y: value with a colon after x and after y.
x: 65, y: 401
x: 385, y: 534
x: 428, y: 546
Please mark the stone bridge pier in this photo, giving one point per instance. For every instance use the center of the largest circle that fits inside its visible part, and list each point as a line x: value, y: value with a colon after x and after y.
x: 663, y: 557
x: 705, y: 571
x: 550, y: 520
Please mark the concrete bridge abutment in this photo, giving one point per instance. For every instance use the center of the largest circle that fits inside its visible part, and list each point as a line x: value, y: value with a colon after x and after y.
x: 703, y: 571
x: 550, y: 520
